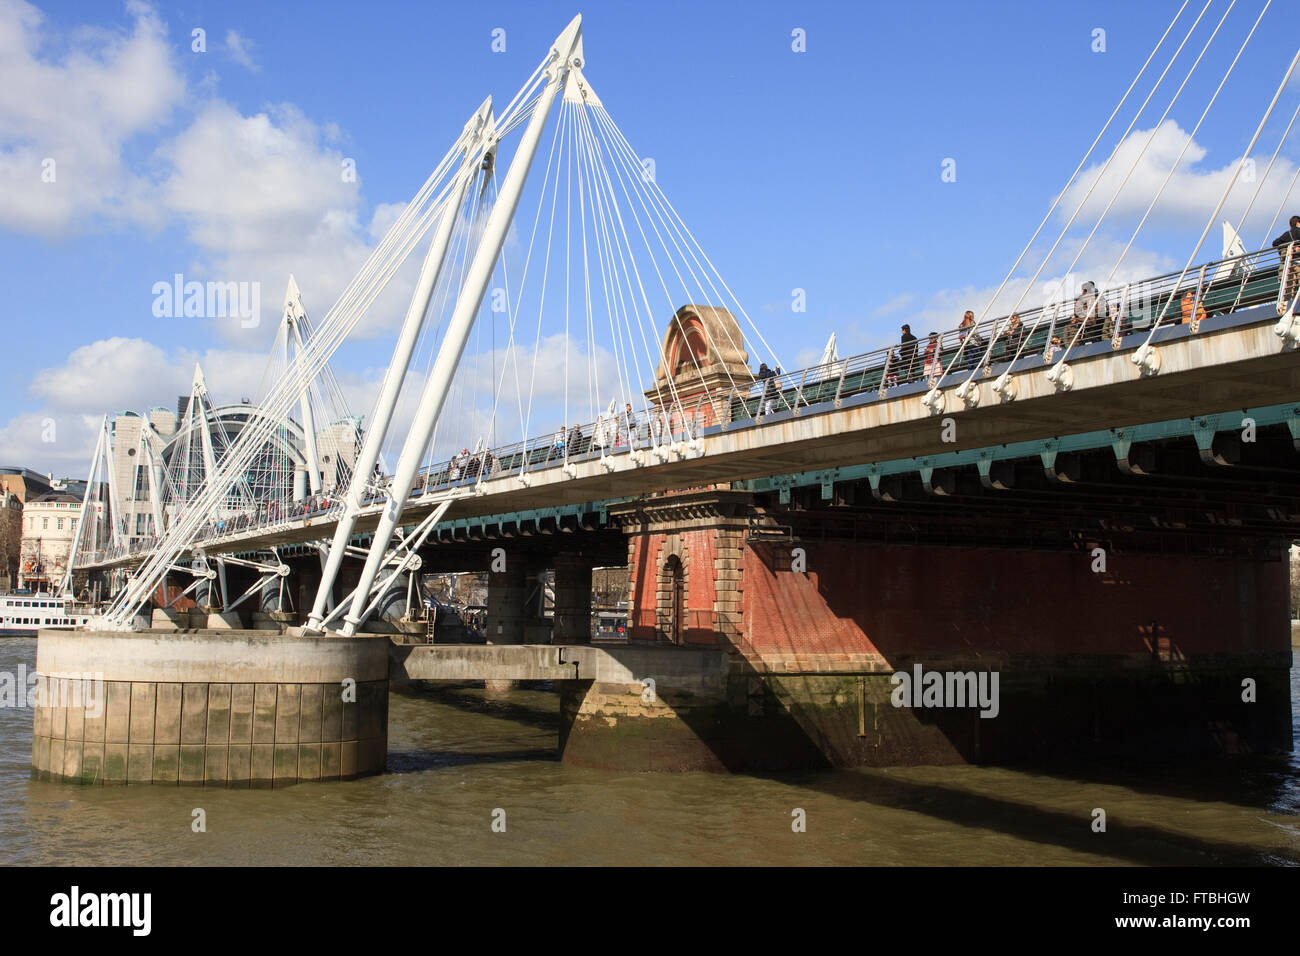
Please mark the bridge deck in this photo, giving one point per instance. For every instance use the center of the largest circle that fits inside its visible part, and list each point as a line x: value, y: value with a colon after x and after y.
x: 1234, y: 361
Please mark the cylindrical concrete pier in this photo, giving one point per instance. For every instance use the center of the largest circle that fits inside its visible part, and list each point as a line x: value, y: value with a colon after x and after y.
x: 229, y: 708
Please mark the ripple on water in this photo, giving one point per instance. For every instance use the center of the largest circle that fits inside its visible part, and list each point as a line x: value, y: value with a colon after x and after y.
x: 455, y: 757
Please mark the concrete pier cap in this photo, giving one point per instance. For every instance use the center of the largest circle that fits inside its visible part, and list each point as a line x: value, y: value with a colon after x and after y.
x: 231, y: 708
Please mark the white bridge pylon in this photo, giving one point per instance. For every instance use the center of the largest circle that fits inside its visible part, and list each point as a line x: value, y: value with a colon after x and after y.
x: 612, y: 251
x: 478, y: 142
x: 565, y: 54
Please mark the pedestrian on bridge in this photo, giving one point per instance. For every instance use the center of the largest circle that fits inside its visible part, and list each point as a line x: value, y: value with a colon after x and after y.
x: 1291, y: 235
x: 1090, y: 312
x: 966, y: 331
x: 629, y: 422
x: 1011, y: 337
x: 906, y: 354
x: 1186, y: 306
x: 931, y: 366
x: 768, y: 378
x: 1288, y: 242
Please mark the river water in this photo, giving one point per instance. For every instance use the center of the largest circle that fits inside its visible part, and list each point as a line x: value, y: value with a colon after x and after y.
x: 454, y: 758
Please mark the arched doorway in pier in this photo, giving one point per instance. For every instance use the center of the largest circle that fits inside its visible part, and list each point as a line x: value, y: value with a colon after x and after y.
x: 675, y: 585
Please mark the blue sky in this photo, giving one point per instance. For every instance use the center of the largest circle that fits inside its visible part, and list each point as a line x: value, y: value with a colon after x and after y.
x: 816, y: 170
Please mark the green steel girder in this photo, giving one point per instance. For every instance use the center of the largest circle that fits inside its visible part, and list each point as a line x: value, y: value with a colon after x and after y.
x: 536, y: 515
x: 1201, y: 427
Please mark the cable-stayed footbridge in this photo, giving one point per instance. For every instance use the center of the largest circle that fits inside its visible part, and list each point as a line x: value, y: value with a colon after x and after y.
x: 619, y: 335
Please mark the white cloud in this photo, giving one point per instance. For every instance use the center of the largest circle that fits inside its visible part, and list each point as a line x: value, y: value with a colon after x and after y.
x: 241, y: 50
x: 79, y: 111
x: 120, y: 374
x: 895, y: 304
x: 264, y: 197
x: 113, y: 375
x: 1191, y: 194
x: 48, y: 441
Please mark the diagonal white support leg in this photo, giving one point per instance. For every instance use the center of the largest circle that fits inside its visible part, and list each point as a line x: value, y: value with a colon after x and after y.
x: 565, y: 54
x: 479, y: 130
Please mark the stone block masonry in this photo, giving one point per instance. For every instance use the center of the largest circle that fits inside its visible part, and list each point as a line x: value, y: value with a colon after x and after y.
x: 228, y: 709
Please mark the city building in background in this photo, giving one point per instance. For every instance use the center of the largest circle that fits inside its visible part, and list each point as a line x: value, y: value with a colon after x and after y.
x: 11, y: 535
x: 49, y: 524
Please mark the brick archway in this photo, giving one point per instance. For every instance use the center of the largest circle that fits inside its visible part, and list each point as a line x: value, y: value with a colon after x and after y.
x: 673, y: 586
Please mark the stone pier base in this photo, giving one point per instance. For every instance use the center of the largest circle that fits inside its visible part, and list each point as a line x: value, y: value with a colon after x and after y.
x: 170, y: 619
x: 228, y: 708
x: 821, y: 712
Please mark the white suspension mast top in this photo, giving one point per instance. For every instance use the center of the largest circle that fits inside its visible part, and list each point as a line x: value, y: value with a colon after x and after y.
x: 98, y: 456
x: 293, y: 312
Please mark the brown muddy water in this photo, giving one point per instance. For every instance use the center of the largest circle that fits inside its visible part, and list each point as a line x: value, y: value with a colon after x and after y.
x: 455, y: 758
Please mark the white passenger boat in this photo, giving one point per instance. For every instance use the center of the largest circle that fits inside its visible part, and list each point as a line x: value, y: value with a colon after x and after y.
x: 21, y: 615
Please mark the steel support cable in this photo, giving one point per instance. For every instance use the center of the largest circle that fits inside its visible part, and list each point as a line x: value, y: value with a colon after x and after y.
x: 1097, y: 180
x: 1143, y: 351
x: 460, y: 266
x: 610, y: 284
x: 609, y: 278
x: 676, y: 228
x: 620, y: 277
x: 623, y: 260
x: 1115, y: 112
x: 662, y: 198
x: 495, y: 383
x: 562, y: 132
x: 1268, y: 170
x: 567, y: 112
x: 593, y: 374
x: 631, y: 256
x: 1280, y: 206
x: 675, y: 398
x: 1155, y: 199
x: 453, y: 274
x: 523, y: 282
x: 668, y: 296
x: 182, y: 531
x: 514, y: 311
x: 653, y: 212
x: 1246, y: 271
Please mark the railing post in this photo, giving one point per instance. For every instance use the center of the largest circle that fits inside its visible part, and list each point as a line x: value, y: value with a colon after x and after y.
x: 1241, y: 289
x: 844, y: 368
x: 884, y: 374
x: 798, y: 395
x: 1117, y: 332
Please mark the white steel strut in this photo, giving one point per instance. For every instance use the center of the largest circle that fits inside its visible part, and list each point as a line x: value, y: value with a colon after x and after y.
x: 565, y: 54
x: 479, y: 132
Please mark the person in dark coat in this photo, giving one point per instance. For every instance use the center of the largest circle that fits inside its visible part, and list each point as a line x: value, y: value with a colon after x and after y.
x: 906, y: 354
x: 1291, y: 235
x: 1281, y: 244
x: 768, y: 378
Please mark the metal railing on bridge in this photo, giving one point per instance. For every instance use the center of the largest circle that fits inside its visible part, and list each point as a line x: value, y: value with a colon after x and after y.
x: 1216, y: 288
